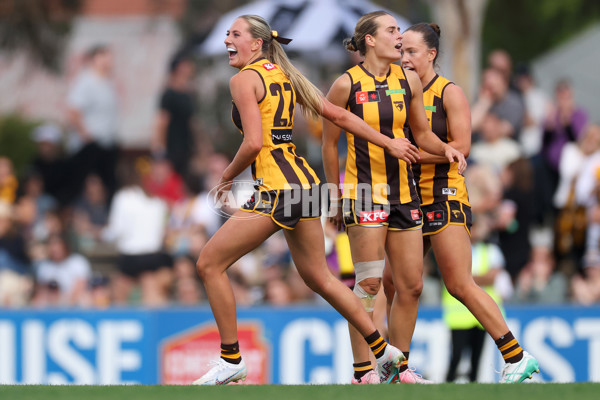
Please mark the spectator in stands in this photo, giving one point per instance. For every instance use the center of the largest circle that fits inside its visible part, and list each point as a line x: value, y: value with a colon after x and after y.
x: 277, y: 291
x: 216, y: 165
x: 34, y: 205
x: 162, y: 181
x: 51, y: 163
x: 578, y: 162
x: 15, y: 283
x: 136, y: 224
x: 515, y: 215
x: 500, y: 60
x: 495, y: 149
x: 246, y: 279
x: 539, y: 282
x: 586, y: 286
x: 174, y: 131
x: 587, y: 194
x: 8, y: 181
x: 485, y: 188
x: 90, y: 213
x: 63, y: 277
x: 537, y: 104
x: 187, y: 288
x: 99, y: 292
x: 185, y: 217
x: 577, y: 180
x: 496, y: 96
x: 564, y: 123
x: 93, y: 115
x: 185, y: 240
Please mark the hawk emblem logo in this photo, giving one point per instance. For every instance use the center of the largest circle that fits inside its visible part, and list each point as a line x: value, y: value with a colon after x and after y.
x: 399, y: 105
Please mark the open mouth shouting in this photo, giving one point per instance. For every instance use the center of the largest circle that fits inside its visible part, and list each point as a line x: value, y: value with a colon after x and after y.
x: 232, y: 52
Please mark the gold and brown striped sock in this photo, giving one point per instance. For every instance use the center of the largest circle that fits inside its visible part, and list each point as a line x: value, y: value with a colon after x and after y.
x: 404, y: 365
x: 510, y: 348
x: 231, y: 353
x: 376, y: 343
x: 361, y: 369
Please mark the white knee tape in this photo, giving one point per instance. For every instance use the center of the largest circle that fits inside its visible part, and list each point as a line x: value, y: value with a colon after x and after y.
x: 369, y: 269
x: 364, y: 270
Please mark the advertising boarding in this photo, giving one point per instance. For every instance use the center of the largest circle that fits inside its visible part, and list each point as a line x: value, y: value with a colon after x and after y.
x: 295, y: 345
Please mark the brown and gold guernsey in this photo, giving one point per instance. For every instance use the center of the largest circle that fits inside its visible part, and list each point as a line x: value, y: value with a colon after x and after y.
x: 277, y: 166
x: 439, y: 182
x: 382, y: 102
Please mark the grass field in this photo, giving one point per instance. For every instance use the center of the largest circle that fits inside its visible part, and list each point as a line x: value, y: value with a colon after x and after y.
x: 575, y: 391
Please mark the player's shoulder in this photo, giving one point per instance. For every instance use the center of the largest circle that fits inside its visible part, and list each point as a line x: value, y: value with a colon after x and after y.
x: 397, y: 70
x: 343, y: 82
x: 451, y: 92
x: 356, y: 73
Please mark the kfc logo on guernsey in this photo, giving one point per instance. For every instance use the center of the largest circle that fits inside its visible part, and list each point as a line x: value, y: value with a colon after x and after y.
x: 373, y: 216
x: 371, y: 96
x: 269, y: 66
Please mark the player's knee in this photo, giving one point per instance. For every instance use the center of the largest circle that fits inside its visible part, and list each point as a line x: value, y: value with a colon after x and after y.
x: 371, y: 285
x: 409, y: 289
x: 203, y: 267
x: 368, y: 282
x: 389, y: 289
x: 319, y: 285
x: 457, y: 290
x: 416, y: 289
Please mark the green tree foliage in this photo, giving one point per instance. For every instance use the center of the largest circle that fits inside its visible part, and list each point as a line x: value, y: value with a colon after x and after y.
x: 16, y: 142
x: 529, y: 28
x: 39, y: 27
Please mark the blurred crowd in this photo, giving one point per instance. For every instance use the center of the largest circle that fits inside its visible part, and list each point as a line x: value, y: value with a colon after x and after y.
x: 89, y: 224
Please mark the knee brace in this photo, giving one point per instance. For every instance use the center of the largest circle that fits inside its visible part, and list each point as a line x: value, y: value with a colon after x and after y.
x: 364, y: 270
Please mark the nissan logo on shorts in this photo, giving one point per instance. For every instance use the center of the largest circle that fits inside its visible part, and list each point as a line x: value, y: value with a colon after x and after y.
x: 242, y: 192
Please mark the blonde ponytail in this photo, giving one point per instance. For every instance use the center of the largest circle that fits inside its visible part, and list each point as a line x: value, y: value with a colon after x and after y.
x: 307, y: 94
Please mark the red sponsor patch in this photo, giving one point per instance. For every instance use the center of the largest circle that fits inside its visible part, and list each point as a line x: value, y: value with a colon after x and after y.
x: 435, y: 216
x: 415, y: 214
x: 269, y: 66
x: 367, y: 97
x: 362, y: 97
x: 373, y: 217
x: 185, y: 356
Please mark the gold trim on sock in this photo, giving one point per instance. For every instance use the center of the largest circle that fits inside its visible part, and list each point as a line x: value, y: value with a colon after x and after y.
x: 376, y: 342
x: 232, y: 356
x: 512, y: 353
x: 508, y: 345
x: 365, y: 368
